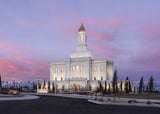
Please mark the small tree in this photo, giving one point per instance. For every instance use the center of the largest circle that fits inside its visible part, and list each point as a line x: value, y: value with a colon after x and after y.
x: 147, y: 89
x: 53, y: 88
x: 115, y: 87
x: 141, y: 85
x: 100, y: 88
x: 44, y: 84
x: 34, y: 86
x: 90, y: 88
x: 121, y: 86
x: 151, y: 82
x: 105, y: 89
x: 48, y: 85
x: 109, y: 89
x: 0, y: 83
x: 38, y: 85
x: 126, y: 85
x: 130, y: 88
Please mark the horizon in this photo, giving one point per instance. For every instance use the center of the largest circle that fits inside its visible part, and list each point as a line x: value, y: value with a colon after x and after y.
x: 35, y: 33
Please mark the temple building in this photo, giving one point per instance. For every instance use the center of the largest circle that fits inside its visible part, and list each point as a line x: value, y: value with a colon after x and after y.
x: 81, y: 71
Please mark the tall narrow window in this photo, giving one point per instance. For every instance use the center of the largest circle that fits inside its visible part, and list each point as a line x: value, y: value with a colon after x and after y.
x: 81, y: 69
x: 56, y: 78
x: 81, y: 37
x: 101, y: 68
x: 95, y: 69
x: 56, y: 70
x: 62, y: 70
x: 77, y: 68
x: 73, y: 68
x: 94, y: 78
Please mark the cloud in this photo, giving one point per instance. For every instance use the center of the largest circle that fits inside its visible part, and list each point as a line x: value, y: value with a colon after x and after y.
x: 6, y: 46
x: 22, y: 70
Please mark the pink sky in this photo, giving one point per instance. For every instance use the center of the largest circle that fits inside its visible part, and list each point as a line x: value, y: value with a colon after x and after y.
x: 35, y: 33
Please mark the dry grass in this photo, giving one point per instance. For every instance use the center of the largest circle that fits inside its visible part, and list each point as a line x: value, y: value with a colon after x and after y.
x: 139, y: 96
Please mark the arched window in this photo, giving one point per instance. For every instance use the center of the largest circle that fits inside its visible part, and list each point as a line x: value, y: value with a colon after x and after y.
x: 101, y: 68
x: 95, y: 69
x: 62, y: 70
x: 56, y: 70
x: 73, y: 68
x: 77, y: 68
x: 81, y: 69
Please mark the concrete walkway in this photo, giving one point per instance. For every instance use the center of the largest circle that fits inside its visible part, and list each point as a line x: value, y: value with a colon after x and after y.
x: 25, y: 97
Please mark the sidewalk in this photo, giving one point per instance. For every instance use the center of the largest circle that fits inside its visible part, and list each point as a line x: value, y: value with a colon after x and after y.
x: 25, y: 97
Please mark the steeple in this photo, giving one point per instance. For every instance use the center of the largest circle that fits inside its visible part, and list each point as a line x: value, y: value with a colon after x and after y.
x: 82, y: 49
x: 81, y: 29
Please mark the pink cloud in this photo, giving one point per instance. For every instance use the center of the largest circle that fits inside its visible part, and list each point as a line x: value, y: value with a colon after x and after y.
x: 10, y: 68
x: 13, y: 49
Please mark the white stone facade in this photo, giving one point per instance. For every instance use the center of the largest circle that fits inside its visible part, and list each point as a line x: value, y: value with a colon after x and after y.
x: 81, y: 71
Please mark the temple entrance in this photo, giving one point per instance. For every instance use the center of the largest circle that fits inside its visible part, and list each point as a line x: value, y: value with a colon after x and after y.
x: 75, y: 87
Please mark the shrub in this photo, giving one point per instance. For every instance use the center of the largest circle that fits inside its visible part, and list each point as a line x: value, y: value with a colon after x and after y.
x: 95, y: 98
x: 114, y: 100
x: 134, y: 101
x: 109, y: 99
x: 100, y: 99
x: 129, y: 101
x: 148, y: 102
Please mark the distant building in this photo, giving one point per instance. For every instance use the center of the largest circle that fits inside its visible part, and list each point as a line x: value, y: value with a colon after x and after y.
x: 81, y: 71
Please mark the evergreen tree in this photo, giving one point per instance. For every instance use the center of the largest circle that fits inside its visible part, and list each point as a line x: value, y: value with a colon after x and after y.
x: 121, y: 86
x: 109, y: 89
x: 44, y: 84
x: 48, y: 85
x: 130, y: 88
x: 53, y: 88
x: 141, y: 85
x: 0, y: 83
x: 126, y: 85
x: 147, y: 89
x: 105, y: 89
x: 150, y: 84
x: 101, y: 87
x: 39, y: 85
x: 90, y: 88
x: 114, y: 84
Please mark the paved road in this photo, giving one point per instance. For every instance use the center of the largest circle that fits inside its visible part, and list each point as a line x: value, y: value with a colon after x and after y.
x: 60, y: 105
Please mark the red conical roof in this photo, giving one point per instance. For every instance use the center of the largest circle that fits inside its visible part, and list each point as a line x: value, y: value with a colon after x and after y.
x: 81, y: 29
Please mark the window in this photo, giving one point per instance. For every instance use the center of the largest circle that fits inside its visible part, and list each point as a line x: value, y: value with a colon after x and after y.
x: 62, y: 70
x: 56, y: 78
x: 95, y: 69
x: 81, y: 37
x: 77, y: 68
x: 56, y: 70
x: 73, y: 68
x: 61, y: 78
x: 94, y: 78
x: 81, y: 69
x: 101, y: 68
